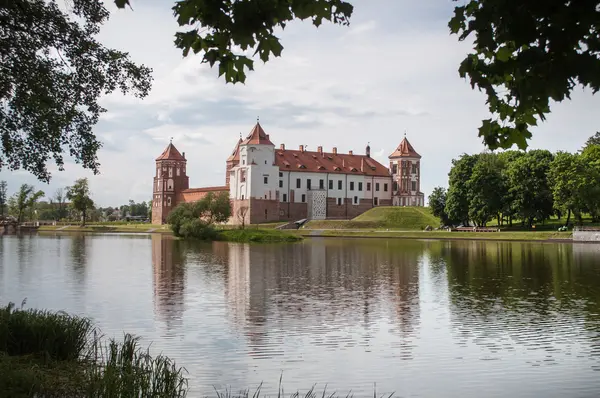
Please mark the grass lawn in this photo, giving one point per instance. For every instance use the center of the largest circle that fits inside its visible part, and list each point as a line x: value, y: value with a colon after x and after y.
x: 392, y: 217
x: 106, y: 228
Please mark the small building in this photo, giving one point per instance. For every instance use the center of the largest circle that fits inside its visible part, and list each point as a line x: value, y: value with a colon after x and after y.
x: 268, y: 184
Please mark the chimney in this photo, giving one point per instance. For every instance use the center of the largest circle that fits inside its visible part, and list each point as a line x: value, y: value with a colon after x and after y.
x: 301, y: 148
x: 350, y: 153
x: 368, y: 151
x: 334, y: 150
x: 183, y: 154
x: 362, y: 165
x: 320, y: 149
x: 343, y: 162
x: 267, y: 136
x: 282, y: 147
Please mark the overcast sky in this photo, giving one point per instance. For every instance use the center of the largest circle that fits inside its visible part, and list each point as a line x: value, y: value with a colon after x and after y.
x: 393, y: 70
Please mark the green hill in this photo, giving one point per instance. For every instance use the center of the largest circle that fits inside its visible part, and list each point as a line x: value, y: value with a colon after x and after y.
x: 402, y: 218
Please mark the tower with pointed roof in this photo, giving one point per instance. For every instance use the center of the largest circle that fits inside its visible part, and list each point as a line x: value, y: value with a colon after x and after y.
x: 232, y: 161
x: 170, y: 179
x: 405, y: 167
x: 253, y: 176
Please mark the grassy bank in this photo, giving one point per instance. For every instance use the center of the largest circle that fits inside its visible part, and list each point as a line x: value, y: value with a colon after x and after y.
x: 399, y: 218
x: 257, y: 235
x: 48, y: 354
x: 130, y: 228
x: 442, y: 235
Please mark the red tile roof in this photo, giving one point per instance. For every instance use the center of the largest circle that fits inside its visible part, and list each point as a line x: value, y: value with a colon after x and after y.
x: 405, y: 150
x: 257, y: 137
x: 235, y: 155
x: 170, y: 153
x: 322, y: 162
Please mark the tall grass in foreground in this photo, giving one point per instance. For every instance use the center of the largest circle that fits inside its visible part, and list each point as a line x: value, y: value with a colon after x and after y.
x: 312, y: 393
x: 46, y: 354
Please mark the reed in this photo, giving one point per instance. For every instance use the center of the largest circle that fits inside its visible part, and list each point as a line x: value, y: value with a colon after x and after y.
x: 48, y: 354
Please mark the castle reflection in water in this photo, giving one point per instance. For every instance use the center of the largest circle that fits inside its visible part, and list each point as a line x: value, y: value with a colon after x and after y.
x: 292, y: 286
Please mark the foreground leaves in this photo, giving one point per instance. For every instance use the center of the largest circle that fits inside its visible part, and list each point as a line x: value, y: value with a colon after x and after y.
x: 525, y: 55
x: 52, y: 72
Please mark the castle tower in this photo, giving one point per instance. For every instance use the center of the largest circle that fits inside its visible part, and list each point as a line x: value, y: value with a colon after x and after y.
x: 254, y: 179
x: 232, y: 161
x: 405, y: 165
x: 169, y: 181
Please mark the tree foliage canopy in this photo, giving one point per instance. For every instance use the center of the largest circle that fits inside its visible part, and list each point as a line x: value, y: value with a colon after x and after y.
x: 52, y: 73
x: 196, y: 220
x: 79, y: 196
x: 524, y: 54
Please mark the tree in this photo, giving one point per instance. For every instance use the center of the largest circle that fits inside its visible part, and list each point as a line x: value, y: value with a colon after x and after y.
x: 59, y: 200
x: 528, y: 183
x: 437, y: 204
x: 590, y: 157
x: 3, y: 198
x: 486, y: 189
x: 79, y: 196
x: 566, y: 176
x: 52, y: 72
x: 197, y: 219
x: 23, y: 200
x: 241, y: 215
x: 593, y: 140
x: 457, y: 199
x: 524, y: 55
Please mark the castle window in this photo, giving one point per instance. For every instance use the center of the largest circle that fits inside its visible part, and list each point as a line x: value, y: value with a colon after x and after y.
x: 413, y: 185
x: 303, y: 198
x: 170, y: 172
x: 360, y: 186
x: 308, y: 184
x: 352, y: 185
x: 178, y: 171
x: 395, y: 168
x: 339, y: 201
x: 321, y: 184
x: 339, y: 184
x: 266, y: 179
x: 330, y: 184
x: 170, y: 184
x: 169, y: 201
x: 414, y: 168
x: 284, y: 197
x: 375, y: 201
x: 395, y: 186
x: 385, y: 187
x: 356, y: 200
x: 280, y: 183
x: 265, y: 162
x: 377, y: 186
x: 368, y: 186
x: 280, y: 174
x: 298, y: 183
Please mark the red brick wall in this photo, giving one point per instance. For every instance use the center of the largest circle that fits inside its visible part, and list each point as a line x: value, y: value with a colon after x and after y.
x: 263, y: 210
x: 293, y: 211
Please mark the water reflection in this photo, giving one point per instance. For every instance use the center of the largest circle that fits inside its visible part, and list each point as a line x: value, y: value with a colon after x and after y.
x: 420, y: 318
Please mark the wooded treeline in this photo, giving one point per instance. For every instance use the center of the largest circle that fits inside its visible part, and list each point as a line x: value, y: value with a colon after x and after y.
x: 72, y: 203
x: 524, y: 186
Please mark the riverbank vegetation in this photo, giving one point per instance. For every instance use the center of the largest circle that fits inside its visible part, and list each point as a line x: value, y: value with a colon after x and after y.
x: 522, y: 189
x: 205, y: 220
x: 54, y: 354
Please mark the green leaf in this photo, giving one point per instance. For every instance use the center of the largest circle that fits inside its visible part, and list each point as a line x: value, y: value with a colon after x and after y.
x: 503, y: 54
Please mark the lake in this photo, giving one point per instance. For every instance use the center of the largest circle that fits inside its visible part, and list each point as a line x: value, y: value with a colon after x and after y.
x: 418, y: 318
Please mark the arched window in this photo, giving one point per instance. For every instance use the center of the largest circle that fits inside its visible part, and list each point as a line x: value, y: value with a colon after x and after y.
x: 170, y: 184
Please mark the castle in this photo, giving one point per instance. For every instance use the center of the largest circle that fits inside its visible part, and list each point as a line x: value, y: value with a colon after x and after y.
x: 268, y: 184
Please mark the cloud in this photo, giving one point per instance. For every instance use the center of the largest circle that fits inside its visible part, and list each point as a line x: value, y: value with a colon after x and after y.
x: 394, y: 69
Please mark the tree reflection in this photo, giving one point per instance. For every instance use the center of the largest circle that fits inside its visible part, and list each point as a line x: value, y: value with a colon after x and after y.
x: 169, y: 278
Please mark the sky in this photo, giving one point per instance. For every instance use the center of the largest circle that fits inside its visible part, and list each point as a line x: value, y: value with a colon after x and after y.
x: 393, y: 71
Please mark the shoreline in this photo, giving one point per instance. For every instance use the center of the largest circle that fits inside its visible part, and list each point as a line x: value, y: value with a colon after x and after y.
x: 516, y: 236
